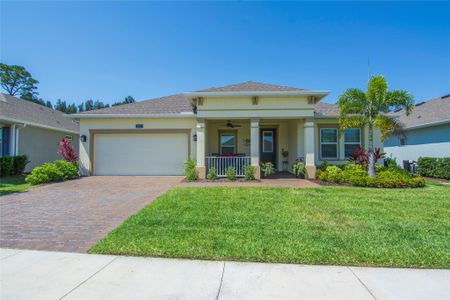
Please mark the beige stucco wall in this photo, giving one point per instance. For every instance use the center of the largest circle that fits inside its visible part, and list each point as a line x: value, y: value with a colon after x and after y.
x: 293, y: 136
x: 290, y: 135
x: 266, y: 107
x: 41, y: 145
x: 332, y: 123
x: 213, y: 127
x: 149, y: 123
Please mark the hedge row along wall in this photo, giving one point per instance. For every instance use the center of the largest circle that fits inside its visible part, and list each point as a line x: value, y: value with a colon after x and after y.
x: 434, y: 167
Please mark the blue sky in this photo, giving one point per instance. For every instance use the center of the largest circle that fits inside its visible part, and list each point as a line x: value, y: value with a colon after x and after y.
x: 108, y: 50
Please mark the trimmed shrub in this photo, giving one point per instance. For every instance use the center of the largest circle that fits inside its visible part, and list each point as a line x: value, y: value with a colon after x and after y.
x: 386, y: 177
x: 354, y: 173
x: 190, y: 170
x: 398, y: 179
x: 434, y: 167
x: 69, y: 170
x: 212, y: 174
x: 323, y: 166
x: 332, y: 174
x: 231, y: 173
x: 249, y: 173
x: 59, y: 170
x: 12, y: 165
x: 6, y: 165
x: 390, y: 162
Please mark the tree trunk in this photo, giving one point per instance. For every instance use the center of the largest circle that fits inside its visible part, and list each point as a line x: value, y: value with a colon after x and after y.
x: 371, y: 153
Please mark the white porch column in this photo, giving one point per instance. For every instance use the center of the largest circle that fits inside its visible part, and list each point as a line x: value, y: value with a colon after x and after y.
x: 201, y: 169
x: 309, y: 142
x: 254, y: 146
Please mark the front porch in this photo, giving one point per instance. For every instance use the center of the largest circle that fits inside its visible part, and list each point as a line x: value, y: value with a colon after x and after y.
x: 223, y: 143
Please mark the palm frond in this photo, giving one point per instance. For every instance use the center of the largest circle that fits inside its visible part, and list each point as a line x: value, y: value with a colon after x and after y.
x: 352, y: 101
x: 376, y: 90
x: 386, y: 125
x: 400, y: 99
x: 352, y: 122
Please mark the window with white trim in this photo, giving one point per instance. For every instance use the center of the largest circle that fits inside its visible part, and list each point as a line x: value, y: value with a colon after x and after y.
x: 227, y: 143
x: 352, y: 139
x: 329, y: 143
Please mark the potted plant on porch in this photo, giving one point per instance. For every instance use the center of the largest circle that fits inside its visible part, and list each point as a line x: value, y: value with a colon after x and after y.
x: 299, y: 168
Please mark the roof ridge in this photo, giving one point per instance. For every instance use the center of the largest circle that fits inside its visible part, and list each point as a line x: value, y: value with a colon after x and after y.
x: 250, y: 85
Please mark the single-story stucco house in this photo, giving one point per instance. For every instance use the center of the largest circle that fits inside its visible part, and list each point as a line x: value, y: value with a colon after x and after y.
x: 34, y: 130
x: 426, y: 132
x: 238, y: 124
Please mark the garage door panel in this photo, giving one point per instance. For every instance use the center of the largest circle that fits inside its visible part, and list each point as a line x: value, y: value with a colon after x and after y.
x: 140, y: 153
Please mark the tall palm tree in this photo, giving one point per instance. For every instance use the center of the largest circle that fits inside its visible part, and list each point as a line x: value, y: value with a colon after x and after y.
x: 359, y: 108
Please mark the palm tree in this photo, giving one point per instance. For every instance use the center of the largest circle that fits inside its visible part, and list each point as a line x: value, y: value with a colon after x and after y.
x: 359, y: 109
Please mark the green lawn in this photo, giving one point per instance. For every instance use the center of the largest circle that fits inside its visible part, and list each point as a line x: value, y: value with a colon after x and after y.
x: 9, y: 185
x: 324, y: 225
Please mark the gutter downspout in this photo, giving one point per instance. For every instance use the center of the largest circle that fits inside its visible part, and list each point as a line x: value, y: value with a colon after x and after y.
x: 16, y: 138
x: 12, y: 139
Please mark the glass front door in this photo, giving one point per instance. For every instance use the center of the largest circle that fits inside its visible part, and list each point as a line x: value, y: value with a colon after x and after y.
x: 268, y: 146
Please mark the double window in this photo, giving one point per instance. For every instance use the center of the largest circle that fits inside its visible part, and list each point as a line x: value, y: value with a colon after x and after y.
x: 352, y: 139
x: 227, y: 142
x: 329, y: 143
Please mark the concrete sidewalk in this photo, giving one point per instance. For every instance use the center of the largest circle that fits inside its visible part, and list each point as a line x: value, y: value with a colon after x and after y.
x: 28, y: 274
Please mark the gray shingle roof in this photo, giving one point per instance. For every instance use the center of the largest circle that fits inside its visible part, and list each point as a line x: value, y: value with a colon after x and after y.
x: 326, y: 109
x: 252, y: 86
x: 431, y: 111
x: 29, y: 112
x: 173, y: 104
x: 179, y: 103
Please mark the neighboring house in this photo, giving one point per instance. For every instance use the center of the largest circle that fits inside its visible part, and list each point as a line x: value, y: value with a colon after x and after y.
x: 239, y: 124
x: 426, y: 132
x: 34, y: 130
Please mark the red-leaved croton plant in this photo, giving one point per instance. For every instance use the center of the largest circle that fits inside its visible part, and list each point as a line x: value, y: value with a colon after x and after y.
x: 67, y: 151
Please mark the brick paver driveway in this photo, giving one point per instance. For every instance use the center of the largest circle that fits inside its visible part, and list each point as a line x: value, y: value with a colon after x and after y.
x: 73, y: 215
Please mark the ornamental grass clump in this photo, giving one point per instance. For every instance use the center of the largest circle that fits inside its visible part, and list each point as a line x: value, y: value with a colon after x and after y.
x: 249, y: 173
x: 231, y: 173
x: 212, y: 174
x: 190, y: 170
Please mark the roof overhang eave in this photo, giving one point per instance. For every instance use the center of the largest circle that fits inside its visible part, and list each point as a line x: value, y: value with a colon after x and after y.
x: 429, y: 124
x: 38, y: 125
x: 319, y: 93
x: 130, y: 116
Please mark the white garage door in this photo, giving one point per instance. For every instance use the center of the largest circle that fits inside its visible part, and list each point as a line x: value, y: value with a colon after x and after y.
x: 140, y: 153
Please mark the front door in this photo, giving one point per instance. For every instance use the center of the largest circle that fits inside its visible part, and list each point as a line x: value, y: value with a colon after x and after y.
x: 268, y: 145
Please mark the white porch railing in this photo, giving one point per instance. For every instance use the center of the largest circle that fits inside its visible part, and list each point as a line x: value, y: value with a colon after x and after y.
x: 221, y: 163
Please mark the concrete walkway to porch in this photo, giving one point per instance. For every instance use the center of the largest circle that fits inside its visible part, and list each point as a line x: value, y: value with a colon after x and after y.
x: 30, y: 274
